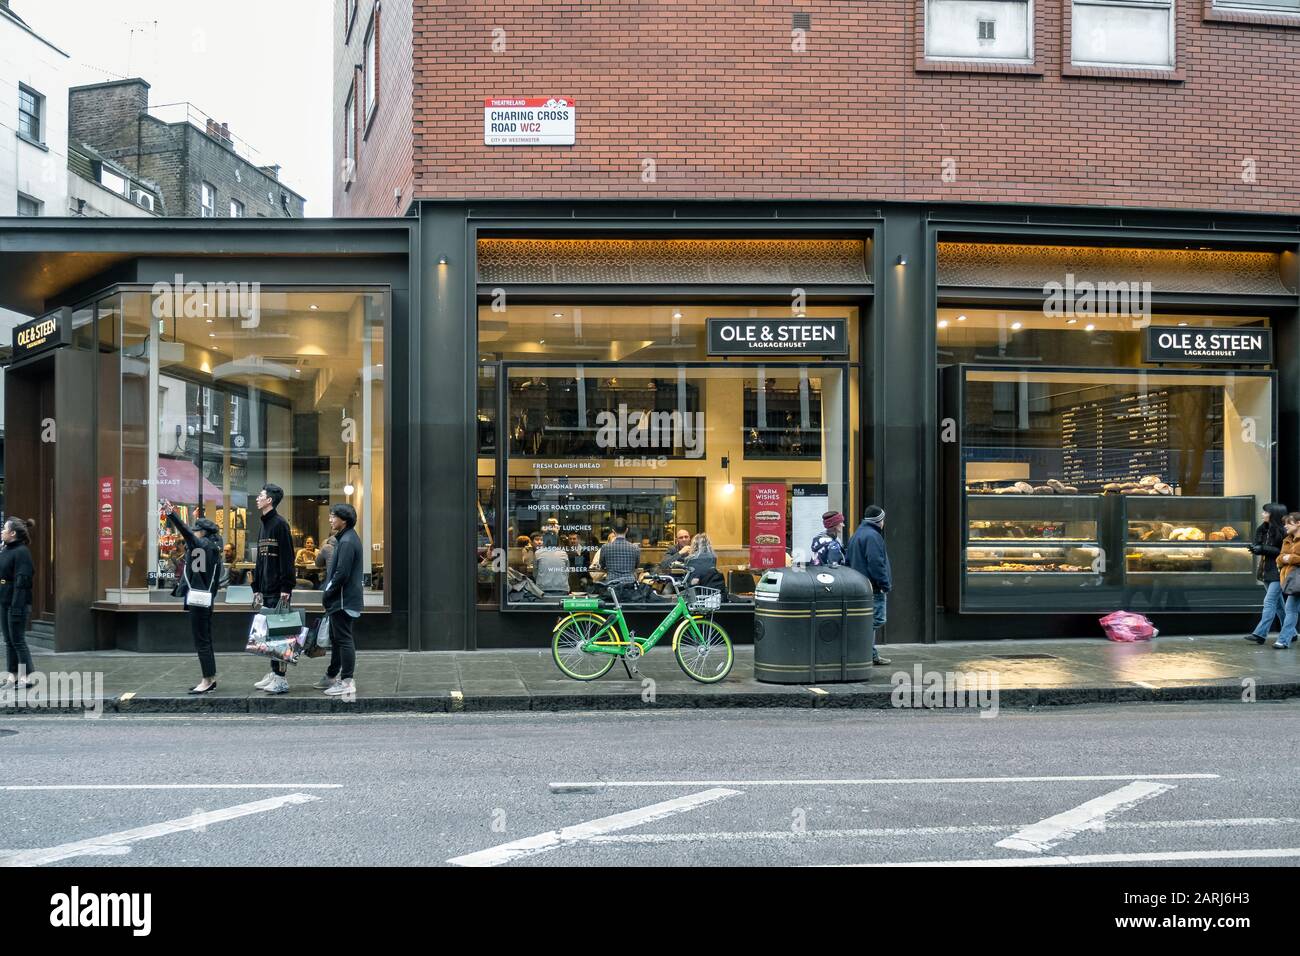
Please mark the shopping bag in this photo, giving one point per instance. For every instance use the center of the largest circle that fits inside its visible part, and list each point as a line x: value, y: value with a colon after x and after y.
x: 318, y: 641
x: 1125, y: 626
x: 281, y: 647
x: 284, y: 623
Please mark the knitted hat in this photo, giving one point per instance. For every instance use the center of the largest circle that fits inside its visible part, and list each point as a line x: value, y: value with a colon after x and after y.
x: 874, y: 515
x: 832, y: 518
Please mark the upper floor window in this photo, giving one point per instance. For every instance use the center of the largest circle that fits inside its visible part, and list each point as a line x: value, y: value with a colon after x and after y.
x: 236, y: 209
x: 1123, y: 33
x: 1260, y: 6
x: 208, y: 201
x: 349, y: 137
x: 371, y: 65
x: 993, y: 30
x: 31, y: 109
x: 27, y: 206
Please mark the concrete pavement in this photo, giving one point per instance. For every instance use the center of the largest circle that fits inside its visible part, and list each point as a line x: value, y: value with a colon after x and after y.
x: 1028, y: 673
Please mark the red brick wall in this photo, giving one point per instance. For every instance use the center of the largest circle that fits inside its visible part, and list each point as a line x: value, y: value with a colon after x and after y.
x: 715, y: 96
x: 384, y: 150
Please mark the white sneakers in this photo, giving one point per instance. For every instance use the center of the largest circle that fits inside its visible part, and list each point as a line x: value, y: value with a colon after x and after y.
x: 265, y: 682
x: 325, y: 683
x: 344, y: 688
x: 278, y: 685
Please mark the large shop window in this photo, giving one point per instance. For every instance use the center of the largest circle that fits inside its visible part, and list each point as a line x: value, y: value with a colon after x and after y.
x: 1095, y: 489
x: 665, y: 449
x: 206, y: 396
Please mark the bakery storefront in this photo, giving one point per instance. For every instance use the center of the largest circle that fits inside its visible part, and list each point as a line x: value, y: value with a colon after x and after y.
x: 681, y: 414
x: 1112, y: 444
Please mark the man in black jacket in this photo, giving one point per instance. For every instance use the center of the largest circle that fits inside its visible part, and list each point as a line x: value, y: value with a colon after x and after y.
x: 342, y: 600
x: 273, y: 575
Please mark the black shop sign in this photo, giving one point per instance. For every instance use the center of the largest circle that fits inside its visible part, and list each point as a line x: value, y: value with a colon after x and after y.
x: 39, y: 335
x: 801, y: 336
x: 1242, y: 346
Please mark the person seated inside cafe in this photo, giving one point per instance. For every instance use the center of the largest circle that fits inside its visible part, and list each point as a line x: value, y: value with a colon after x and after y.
x: 306, y: 556
x: 552, y: 566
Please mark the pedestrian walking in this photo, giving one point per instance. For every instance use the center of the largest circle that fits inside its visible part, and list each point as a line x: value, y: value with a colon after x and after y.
x: 273, y: 574
x: 1267, y: 546
x: 826, y: 546
x: 1286, y: 566
x: 17, y: 572
x: 200, y: 577
x: 342, y: 600
x: 867, y: 555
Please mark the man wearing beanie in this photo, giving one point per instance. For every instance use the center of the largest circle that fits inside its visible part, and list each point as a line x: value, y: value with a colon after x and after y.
x: 866, y: 554
x: 826, y: 547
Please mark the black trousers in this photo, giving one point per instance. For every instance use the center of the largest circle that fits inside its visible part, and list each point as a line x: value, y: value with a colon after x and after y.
x: 13, y: 621
x: 343, y: 651
x: 201, y: 630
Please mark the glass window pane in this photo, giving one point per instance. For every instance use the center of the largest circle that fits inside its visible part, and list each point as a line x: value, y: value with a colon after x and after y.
x: 978, y: 29
x: 1114, y: 35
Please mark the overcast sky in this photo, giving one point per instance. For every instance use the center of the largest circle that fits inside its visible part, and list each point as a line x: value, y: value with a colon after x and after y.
x: 263, y: 66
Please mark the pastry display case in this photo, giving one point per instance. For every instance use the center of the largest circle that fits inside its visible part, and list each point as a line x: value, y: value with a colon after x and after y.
x: 1200, y: 542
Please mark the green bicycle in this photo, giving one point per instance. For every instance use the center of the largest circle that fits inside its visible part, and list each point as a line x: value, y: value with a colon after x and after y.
x: 590, y: 638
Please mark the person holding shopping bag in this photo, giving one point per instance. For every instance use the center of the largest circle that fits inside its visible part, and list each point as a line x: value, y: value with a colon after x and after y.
x: 342, y: 599
x: 201, y: 569
x: 273, y: 575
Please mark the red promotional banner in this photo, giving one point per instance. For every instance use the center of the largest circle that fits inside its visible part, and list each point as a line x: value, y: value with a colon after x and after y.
x: 767, y: 525
x: 106, y: 519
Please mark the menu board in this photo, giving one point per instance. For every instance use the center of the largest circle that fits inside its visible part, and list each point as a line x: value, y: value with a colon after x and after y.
x: 1115, y: 439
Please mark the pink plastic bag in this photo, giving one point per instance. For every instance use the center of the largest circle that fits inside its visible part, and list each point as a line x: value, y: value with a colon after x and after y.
x: 1127, y: 626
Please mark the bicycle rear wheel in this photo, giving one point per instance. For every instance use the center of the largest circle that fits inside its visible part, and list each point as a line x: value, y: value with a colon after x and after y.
x: 571, y: 634
x: 706, y: 657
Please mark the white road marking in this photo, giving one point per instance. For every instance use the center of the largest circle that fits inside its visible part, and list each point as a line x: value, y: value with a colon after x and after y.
x: 1171, y: 856
x: 746, y: 836
x: 175, y: 786
x: 1091, y: 815
x: 115, y: 843
x: 552, y: 839
x: 879, y: 781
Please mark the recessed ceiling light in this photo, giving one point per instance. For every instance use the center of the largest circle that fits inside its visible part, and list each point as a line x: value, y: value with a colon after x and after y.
x: 1089, y: 327
x: 943, y: 323
x: 961, y: 318
x: 212, y: 335
x: 313, y: 307
x: 557, y: 315
x: 1016, y: 326
x: 209, y: 321
x: 677, y: 315
x: 1071, y: 321
x: 1181, y: 324
x: 541, y: 341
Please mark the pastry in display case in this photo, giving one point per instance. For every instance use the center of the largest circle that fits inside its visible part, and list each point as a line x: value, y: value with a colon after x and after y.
x: 1201, y: 536
x: 1072, y: 559
x: 1032, y: 534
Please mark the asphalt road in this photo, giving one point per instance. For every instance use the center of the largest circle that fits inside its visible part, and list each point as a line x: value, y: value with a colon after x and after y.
x: 1214, y: 784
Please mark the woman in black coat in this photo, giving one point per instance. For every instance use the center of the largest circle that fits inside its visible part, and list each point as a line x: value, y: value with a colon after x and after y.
x: 200, y: 575
x: 16, y: 574
x: 1268, y: 544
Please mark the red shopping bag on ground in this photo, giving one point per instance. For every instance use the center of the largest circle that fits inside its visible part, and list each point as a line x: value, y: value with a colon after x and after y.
x: 1127, y: 626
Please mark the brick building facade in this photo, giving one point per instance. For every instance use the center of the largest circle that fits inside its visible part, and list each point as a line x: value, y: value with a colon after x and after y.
x: 779, y: 100
x: 114, y: 119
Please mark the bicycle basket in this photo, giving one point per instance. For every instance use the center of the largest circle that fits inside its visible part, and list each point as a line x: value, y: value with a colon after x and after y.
x: 704, y: 599
x: 582, y: 604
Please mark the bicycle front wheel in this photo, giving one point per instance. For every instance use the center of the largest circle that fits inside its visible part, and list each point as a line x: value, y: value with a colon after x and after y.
x: 706, y: 656
x: 571, y: 634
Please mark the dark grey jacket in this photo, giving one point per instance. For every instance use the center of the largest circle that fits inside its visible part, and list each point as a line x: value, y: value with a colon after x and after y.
x: 342, y: 591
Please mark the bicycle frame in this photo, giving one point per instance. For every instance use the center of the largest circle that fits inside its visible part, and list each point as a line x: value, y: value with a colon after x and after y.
x: 615, y: 626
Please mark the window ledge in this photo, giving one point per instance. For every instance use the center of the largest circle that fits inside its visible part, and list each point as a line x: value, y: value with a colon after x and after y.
x: 1213, y: 14
x: 31, y: 142
x: 370, y: 119
x: 924, y: 65
x: 1123, y: 73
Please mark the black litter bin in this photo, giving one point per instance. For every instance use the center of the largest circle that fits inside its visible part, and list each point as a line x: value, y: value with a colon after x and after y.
x: 812, y: 626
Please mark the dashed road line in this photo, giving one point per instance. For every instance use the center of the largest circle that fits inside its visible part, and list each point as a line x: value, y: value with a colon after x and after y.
x: 572, y: 786
x: 1056, y: 829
